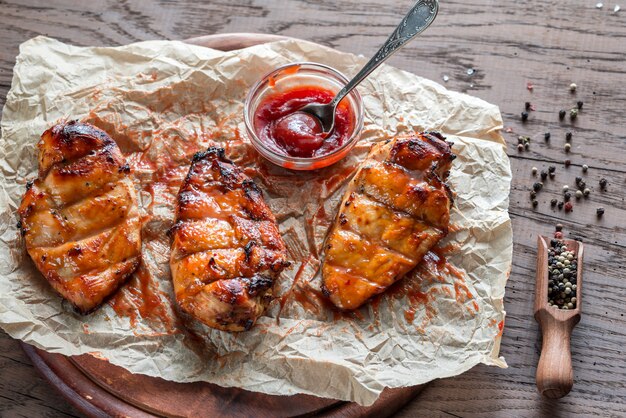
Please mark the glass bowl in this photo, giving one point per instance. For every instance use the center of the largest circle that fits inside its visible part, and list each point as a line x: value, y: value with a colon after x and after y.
x: 285, y: 78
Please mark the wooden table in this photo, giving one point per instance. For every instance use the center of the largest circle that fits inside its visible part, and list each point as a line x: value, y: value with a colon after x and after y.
x: 507, y: 44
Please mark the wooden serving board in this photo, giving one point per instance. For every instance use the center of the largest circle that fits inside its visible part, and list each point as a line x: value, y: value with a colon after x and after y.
x: 100, y: 389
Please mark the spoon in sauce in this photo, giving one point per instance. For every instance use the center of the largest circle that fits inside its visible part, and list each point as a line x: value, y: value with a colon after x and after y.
x: 421, y: 15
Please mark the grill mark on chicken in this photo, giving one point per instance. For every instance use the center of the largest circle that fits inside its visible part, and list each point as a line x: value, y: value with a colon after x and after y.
x: 395, y: 210
x: 226, y: 245
x: 404, y: 229
x: 85, y: 218
x: 79, y: 218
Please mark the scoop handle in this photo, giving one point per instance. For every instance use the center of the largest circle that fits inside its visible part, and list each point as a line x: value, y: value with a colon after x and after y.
x: 555, y: 376
x: 421, y: 15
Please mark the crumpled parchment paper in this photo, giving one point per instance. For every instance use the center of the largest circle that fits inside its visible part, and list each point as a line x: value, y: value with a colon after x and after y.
x: 162, y: 101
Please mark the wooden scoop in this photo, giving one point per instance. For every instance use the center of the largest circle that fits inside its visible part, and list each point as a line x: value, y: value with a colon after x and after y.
x: 555, y: 376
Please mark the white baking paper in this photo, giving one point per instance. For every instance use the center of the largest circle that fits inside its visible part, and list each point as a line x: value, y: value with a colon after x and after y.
x: 162, y: 101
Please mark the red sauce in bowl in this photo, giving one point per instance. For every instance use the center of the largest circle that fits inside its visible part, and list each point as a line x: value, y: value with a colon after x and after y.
x: 285, y: 130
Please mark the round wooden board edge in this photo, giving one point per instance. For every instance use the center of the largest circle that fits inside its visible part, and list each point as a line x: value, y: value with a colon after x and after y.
x: 77, y: 388
x: 92, y: 399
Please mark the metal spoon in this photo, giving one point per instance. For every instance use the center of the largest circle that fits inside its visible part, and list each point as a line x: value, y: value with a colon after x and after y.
x: 421, y: 15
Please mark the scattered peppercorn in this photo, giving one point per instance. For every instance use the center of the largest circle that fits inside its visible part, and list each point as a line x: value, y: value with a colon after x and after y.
x: 568, y: 136
x: 520, y: 147
x: 524, y: 116
x: 573, y: 114
x: 534, y: 171
x: 578, y: 180
x: 558, y: 235
x: 558, y: 227
x: 568, y: 163
x: 565, y: 188
x: 537, y: 186
x: 582, y: 185
x: 600, y: 212
x: 567, y: 196
x: 546, y: 136
x: 552, y: 175
x: 551, y: 169
x: 603, y: 183
x: 586, y: 192
x: 569, y: 207
x: 579, y: 194
x: 544, y: 175
x: 553, y: 202
x: 527, y: 105
x: 572, y: 87
x: 585, y: 168
x: 560, y: 205
x: 567, y: 147
x: 579, y: 104
x: 561, y: 114
x: 535, y: 203
x: 533, y: 194
x: 520, y: 139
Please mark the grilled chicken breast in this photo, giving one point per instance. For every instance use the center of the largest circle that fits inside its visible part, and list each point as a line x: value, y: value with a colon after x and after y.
x: 79, y: 218
x: 226, y: 246
x: 395, y: 210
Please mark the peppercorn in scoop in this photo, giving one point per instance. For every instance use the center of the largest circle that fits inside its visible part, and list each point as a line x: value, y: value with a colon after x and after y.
x: 562, y: 276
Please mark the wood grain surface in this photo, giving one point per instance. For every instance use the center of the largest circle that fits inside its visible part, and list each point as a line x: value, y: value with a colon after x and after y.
x: 508, y: 44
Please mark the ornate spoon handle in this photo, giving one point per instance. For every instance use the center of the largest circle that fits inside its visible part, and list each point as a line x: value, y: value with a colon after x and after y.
x: 421, y: 15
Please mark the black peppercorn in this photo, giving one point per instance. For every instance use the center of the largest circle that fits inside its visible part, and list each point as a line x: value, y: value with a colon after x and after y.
x: 553, y: 202
x: 559, y: 227
x: 578, y: 180
x: 524, y: 116
x: 568, y: 163
x: 603, y: 183
x: 568, y: 136
x: 546, y: 136
x: 579, y: 104
x: 562, y: 114
x: 537, y: 186
x: 544, y: 175
x: 600, y: 212
x: 527, y: 105
x: 533, y: 194
x: 560, y: 205
x: 535, y: 203
x: 551, y: 169
x: 567, y: 196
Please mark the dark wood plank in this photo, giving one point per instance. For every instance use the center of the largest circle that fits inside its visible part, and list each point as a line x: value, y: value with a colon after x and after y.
x: 23, y: 393
x: 550, y: 44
